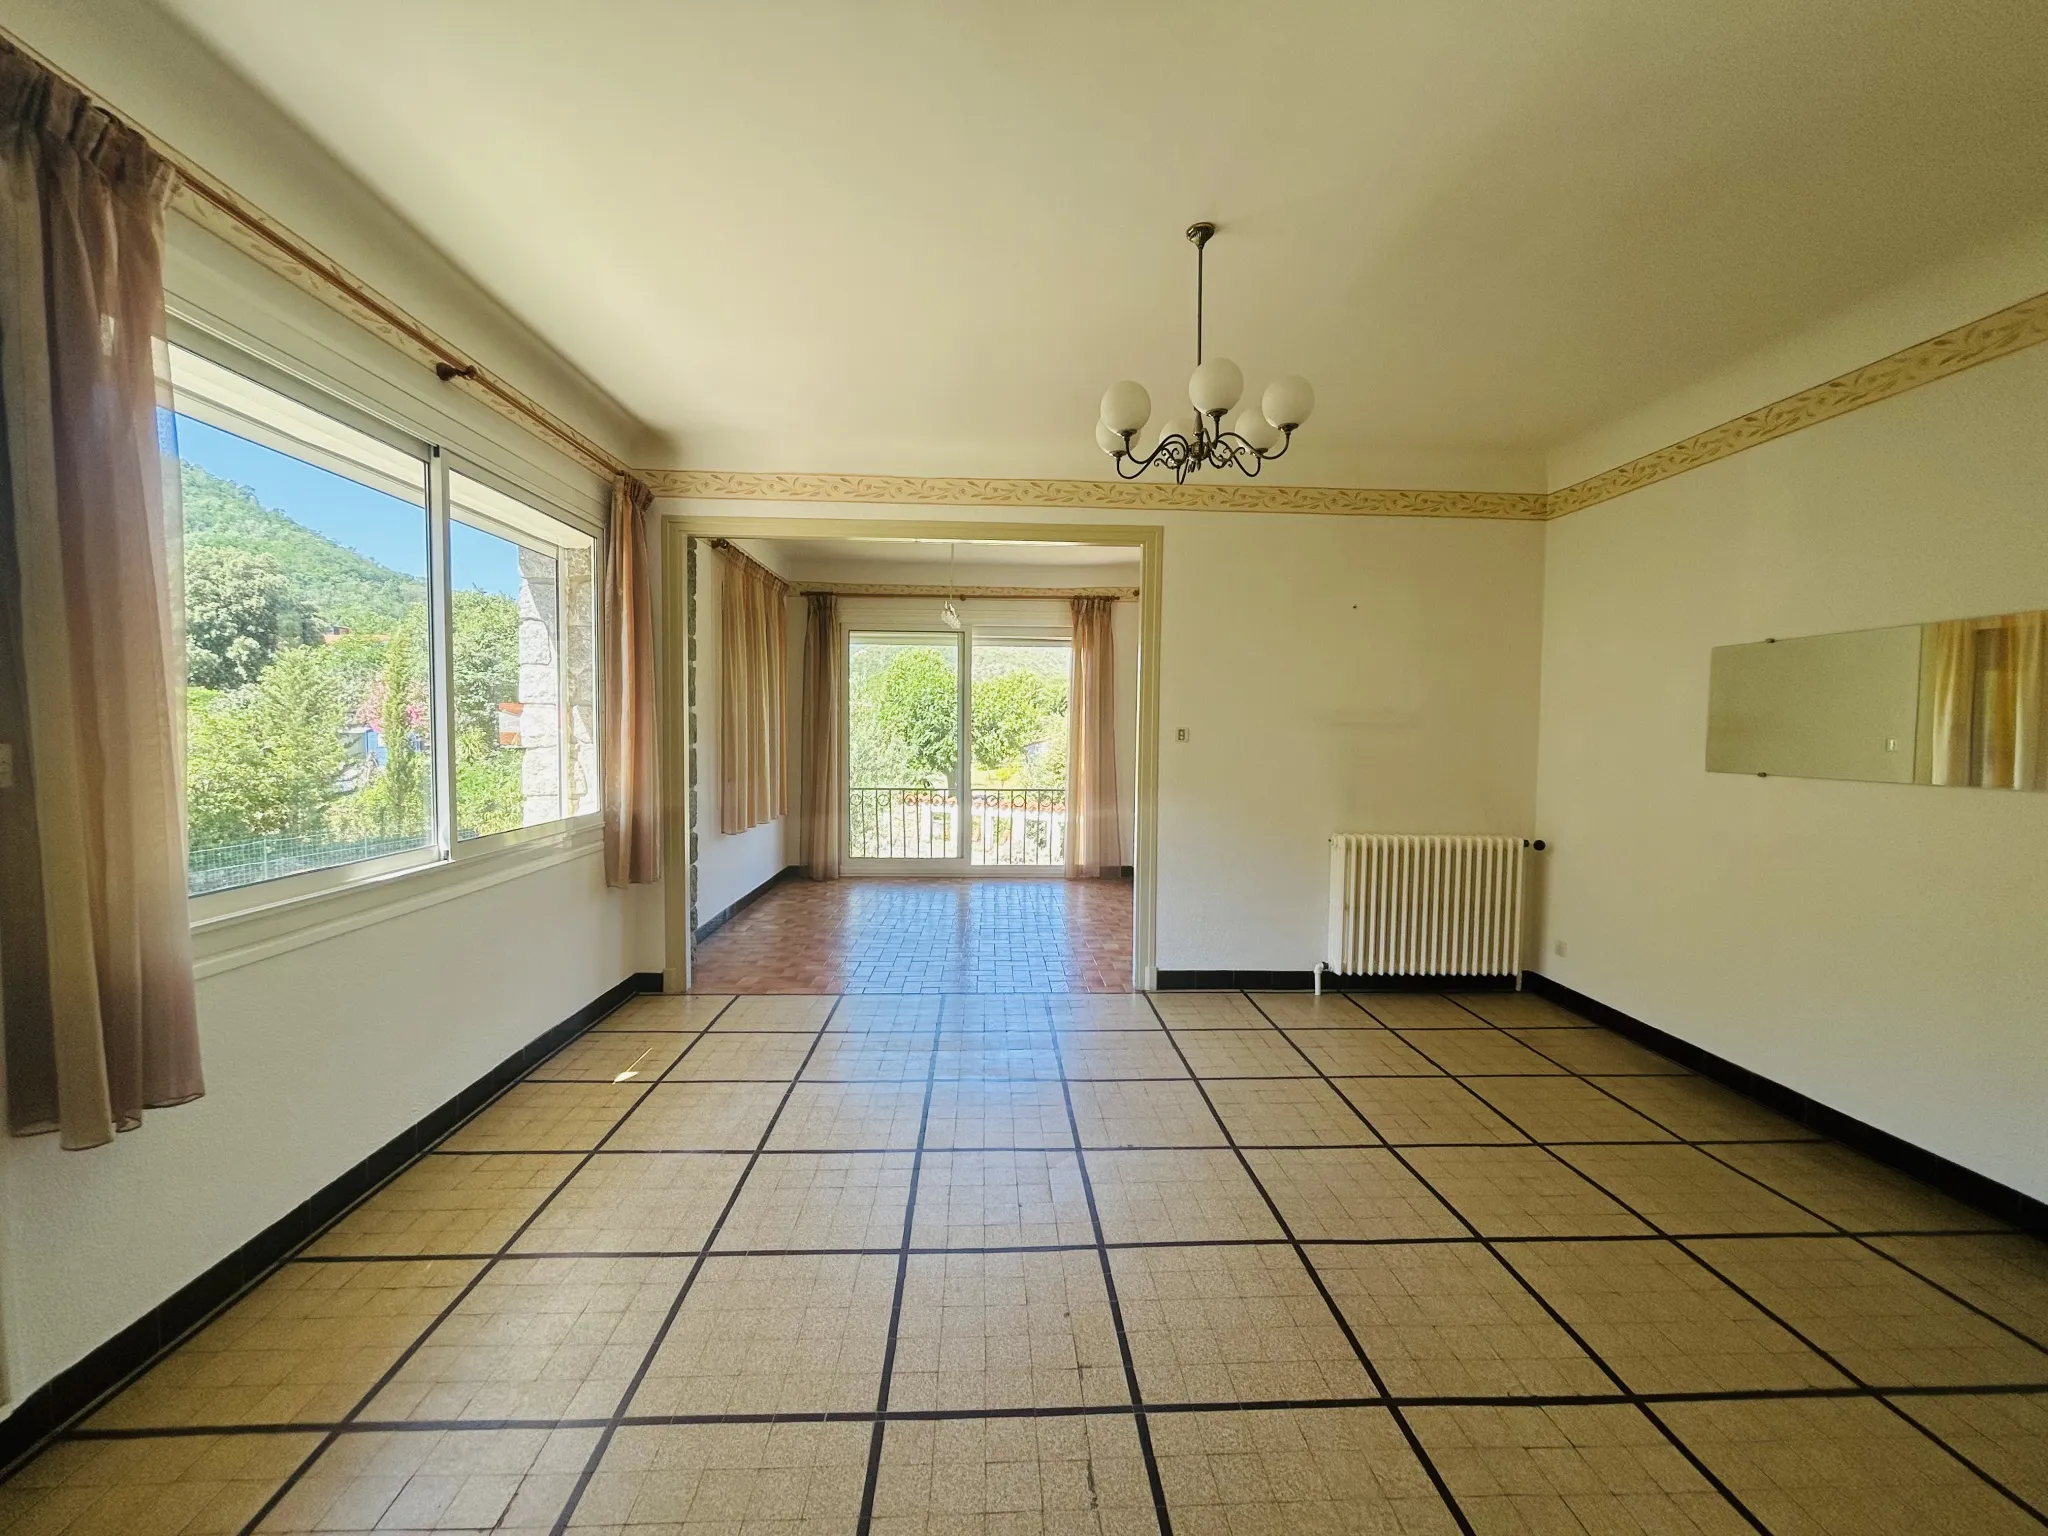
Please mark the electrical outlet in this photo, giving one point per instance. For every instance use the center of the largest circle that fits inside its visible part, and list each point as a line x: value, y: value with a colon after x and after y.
x: 1557, y: 947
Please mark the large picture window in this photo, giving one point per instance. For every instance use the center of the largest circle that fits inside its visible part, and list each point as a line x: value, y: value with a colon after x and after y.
x: 350, y: 710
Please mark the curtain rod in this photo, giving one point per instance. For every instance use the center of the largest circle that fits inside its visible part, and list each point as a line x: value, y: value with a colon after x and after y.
x: 449, y: 364
x: 727, y: 547
x: 889, y: 589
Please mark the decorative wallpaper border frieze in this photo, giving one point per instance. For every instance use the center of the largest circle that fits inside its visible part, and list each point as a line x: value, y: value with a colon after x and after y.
x: 1102, y: 495
x: 2010, y: 330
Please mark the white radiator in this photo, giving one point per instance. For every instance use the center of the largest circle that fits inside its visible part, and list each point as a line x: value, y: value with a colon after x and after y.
x: 1425, y: 906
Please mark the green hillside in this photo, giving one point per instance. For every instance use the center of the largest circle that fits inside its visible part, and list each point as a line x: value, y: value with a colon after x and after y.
x: 326, y: 580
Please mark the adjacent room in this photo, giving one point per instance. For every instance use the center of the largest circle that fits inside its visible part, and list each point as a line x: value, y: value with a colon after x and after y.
x: 911, y: 769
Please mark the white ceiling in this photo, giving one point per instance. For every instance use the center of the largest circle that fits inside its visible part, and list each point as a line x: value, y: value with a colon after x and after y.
x: 921, y: 236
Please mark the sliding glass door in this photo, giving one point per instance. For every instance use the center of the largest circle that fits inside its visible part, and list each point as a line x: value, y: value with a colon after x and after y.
x: 956, y: 752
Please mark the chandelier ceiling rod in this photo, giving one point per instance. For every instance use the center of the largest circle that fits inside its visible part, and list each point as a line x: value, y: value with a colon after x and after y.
x: 1260, y: 433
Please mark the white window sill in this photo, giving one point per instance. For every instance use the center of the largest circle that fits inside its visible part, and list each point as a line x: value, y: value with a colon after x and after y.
x: 232, y: 940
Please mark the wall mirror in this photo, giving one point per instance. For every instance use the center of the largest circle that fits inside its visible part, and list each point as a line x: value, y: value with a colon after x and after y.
x: 1959, y: 702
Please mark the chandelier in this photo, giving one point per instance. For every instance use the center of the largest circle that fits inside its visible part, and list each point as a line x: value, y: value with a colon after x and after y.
x: 1199, y: 440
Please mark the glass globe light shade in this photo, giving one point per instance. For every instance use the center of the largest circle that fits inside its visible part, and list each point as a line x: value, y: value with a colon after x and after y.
x: 1109, y: 442
x: 1126, y: 407
x: 1256, y: 430
x: 1288, y: 402
x: 1216, y: 385
x: 1184, y: 425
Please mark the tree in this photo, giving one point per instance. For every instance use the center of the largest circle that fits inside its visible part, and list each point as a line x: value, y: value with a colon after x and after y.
x: 234, y: 603
x: 265, y: 759
x: 394, y: 803
x: 917, y: 701
x: 1012, y: 711
x: 489, y: 793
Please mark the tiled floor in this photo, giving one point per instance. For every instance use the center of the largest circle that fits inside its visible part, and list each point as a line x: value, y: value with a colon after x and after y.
x: 1203, y: 1263
x: 927, y: 936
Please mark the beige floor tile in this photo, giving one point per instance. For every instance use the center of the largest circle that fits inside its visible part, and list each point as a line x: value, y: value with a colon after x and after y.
x: 1564, y: 1109
x: 1241, y: 1053
x: 457, y: 1203
x: 1145, y: 1114
x: 182, y: 1485
x: 1839, y: 1467
x: 303, y: 1347
x: 1006, y: 1114
x: 1000, y: 1200
x: 847, y: 1117
x: 792, y: 1479
x: 537, y: 1339
x: 699, y: 1117
x: 506, y: 1480
x: 1602, y: 1470
x: 1209, y: 1010
x: 1521, y: 1010
x: 685, y: 1011
x: 1351, y: 1192
x: 990, y: 1041
x: 1331, y: 1471
x: 869, y: 1057
x: 1890, y: 1327
x: 546, y: 1117
x: 820, y: 1200
x: 1450, y: 1320
x: 1681, y: 1189
x: 1119, y: 1053
x: 1521, y: 1192
x: 999, y: 1063
x: 1416, y: 1010
x: 1477, y: 1052
x: 1110, y: 1011
x: 1422, y: 1111
x: 1006, y: 1330
x: 1663, y: 1323
x: 1289, y: 1112
x: 1014, y: 1477
x: 1849, y: 1188
x: 1176, y: 1197
x: 876, y: 1012
x: 788, y: 1013
x: 639, y: 1202
x: 1230, y: 1325
x: 1362, y: 1053
x: 1599, y: 1051
x: 1304, y: 1010
x: 2005, y: 1435
x: 1702, y: 1110
x: 801, y: 1333
x: 604, y: 1056
x: 2006, y: 1275
x: 754, y: 1058
x: 1012, y: 1010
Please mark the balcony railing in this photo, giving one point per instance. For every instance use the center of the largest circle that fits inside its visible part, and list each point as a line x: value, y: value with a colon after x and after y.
x: 1008, y: 827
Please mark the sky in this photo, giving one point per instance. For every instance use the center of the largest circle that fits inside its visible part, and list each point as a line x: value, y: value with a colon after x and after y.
x: 379, y: 527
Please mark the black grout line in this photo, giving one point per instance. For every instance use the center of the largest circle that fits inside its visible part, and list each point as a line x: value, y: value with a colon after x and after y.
x: 1687, y: 1248
x: 1408, y: 1433
x: 675, y: 1307
x: 1132, y: 1388
x: 1698, y: 1465
x: 405, y: 1356
x: 873, y: 1478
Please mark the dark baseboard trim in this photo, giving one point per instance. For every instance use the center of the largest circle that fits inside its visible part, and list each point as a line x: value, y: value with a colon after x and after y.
x: 1304, y: 981
x: 1952, y: 1179
x: 76, y: 1388
x: 718, y: 920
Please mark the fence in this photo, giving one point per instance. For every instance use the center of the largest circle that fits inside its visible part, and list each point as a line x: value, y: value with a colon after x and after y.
x: 226, y: 865
x: 1021, y: 827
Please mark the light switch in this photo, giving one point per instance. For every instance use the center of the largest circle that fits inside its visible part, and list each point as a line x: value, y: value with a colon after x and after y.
x: 1181, y: 734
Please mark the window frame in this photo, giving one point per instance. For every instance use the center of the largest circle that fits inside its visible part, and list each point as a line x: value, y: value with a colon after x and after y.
x: 300, y: 908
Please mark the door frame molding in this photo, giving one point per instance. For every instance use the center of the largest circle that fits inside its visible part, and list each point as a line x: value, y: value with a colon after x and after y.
x: 677, y: 707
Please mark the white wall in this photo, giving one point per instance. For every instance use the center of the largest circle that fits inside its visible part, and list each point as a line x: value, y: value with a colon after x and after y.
x: 730, y: 865
x: 1879, y: 947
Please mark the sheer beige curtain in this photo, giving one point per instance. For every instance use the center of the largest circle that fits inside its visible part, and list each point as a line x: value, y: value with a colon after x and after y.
x: 1094, y: 836
x: 1990, y: 701
x: 753, y: 693
x: 95, y: 938
x: 823, y: 829
x: 632, y: 790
